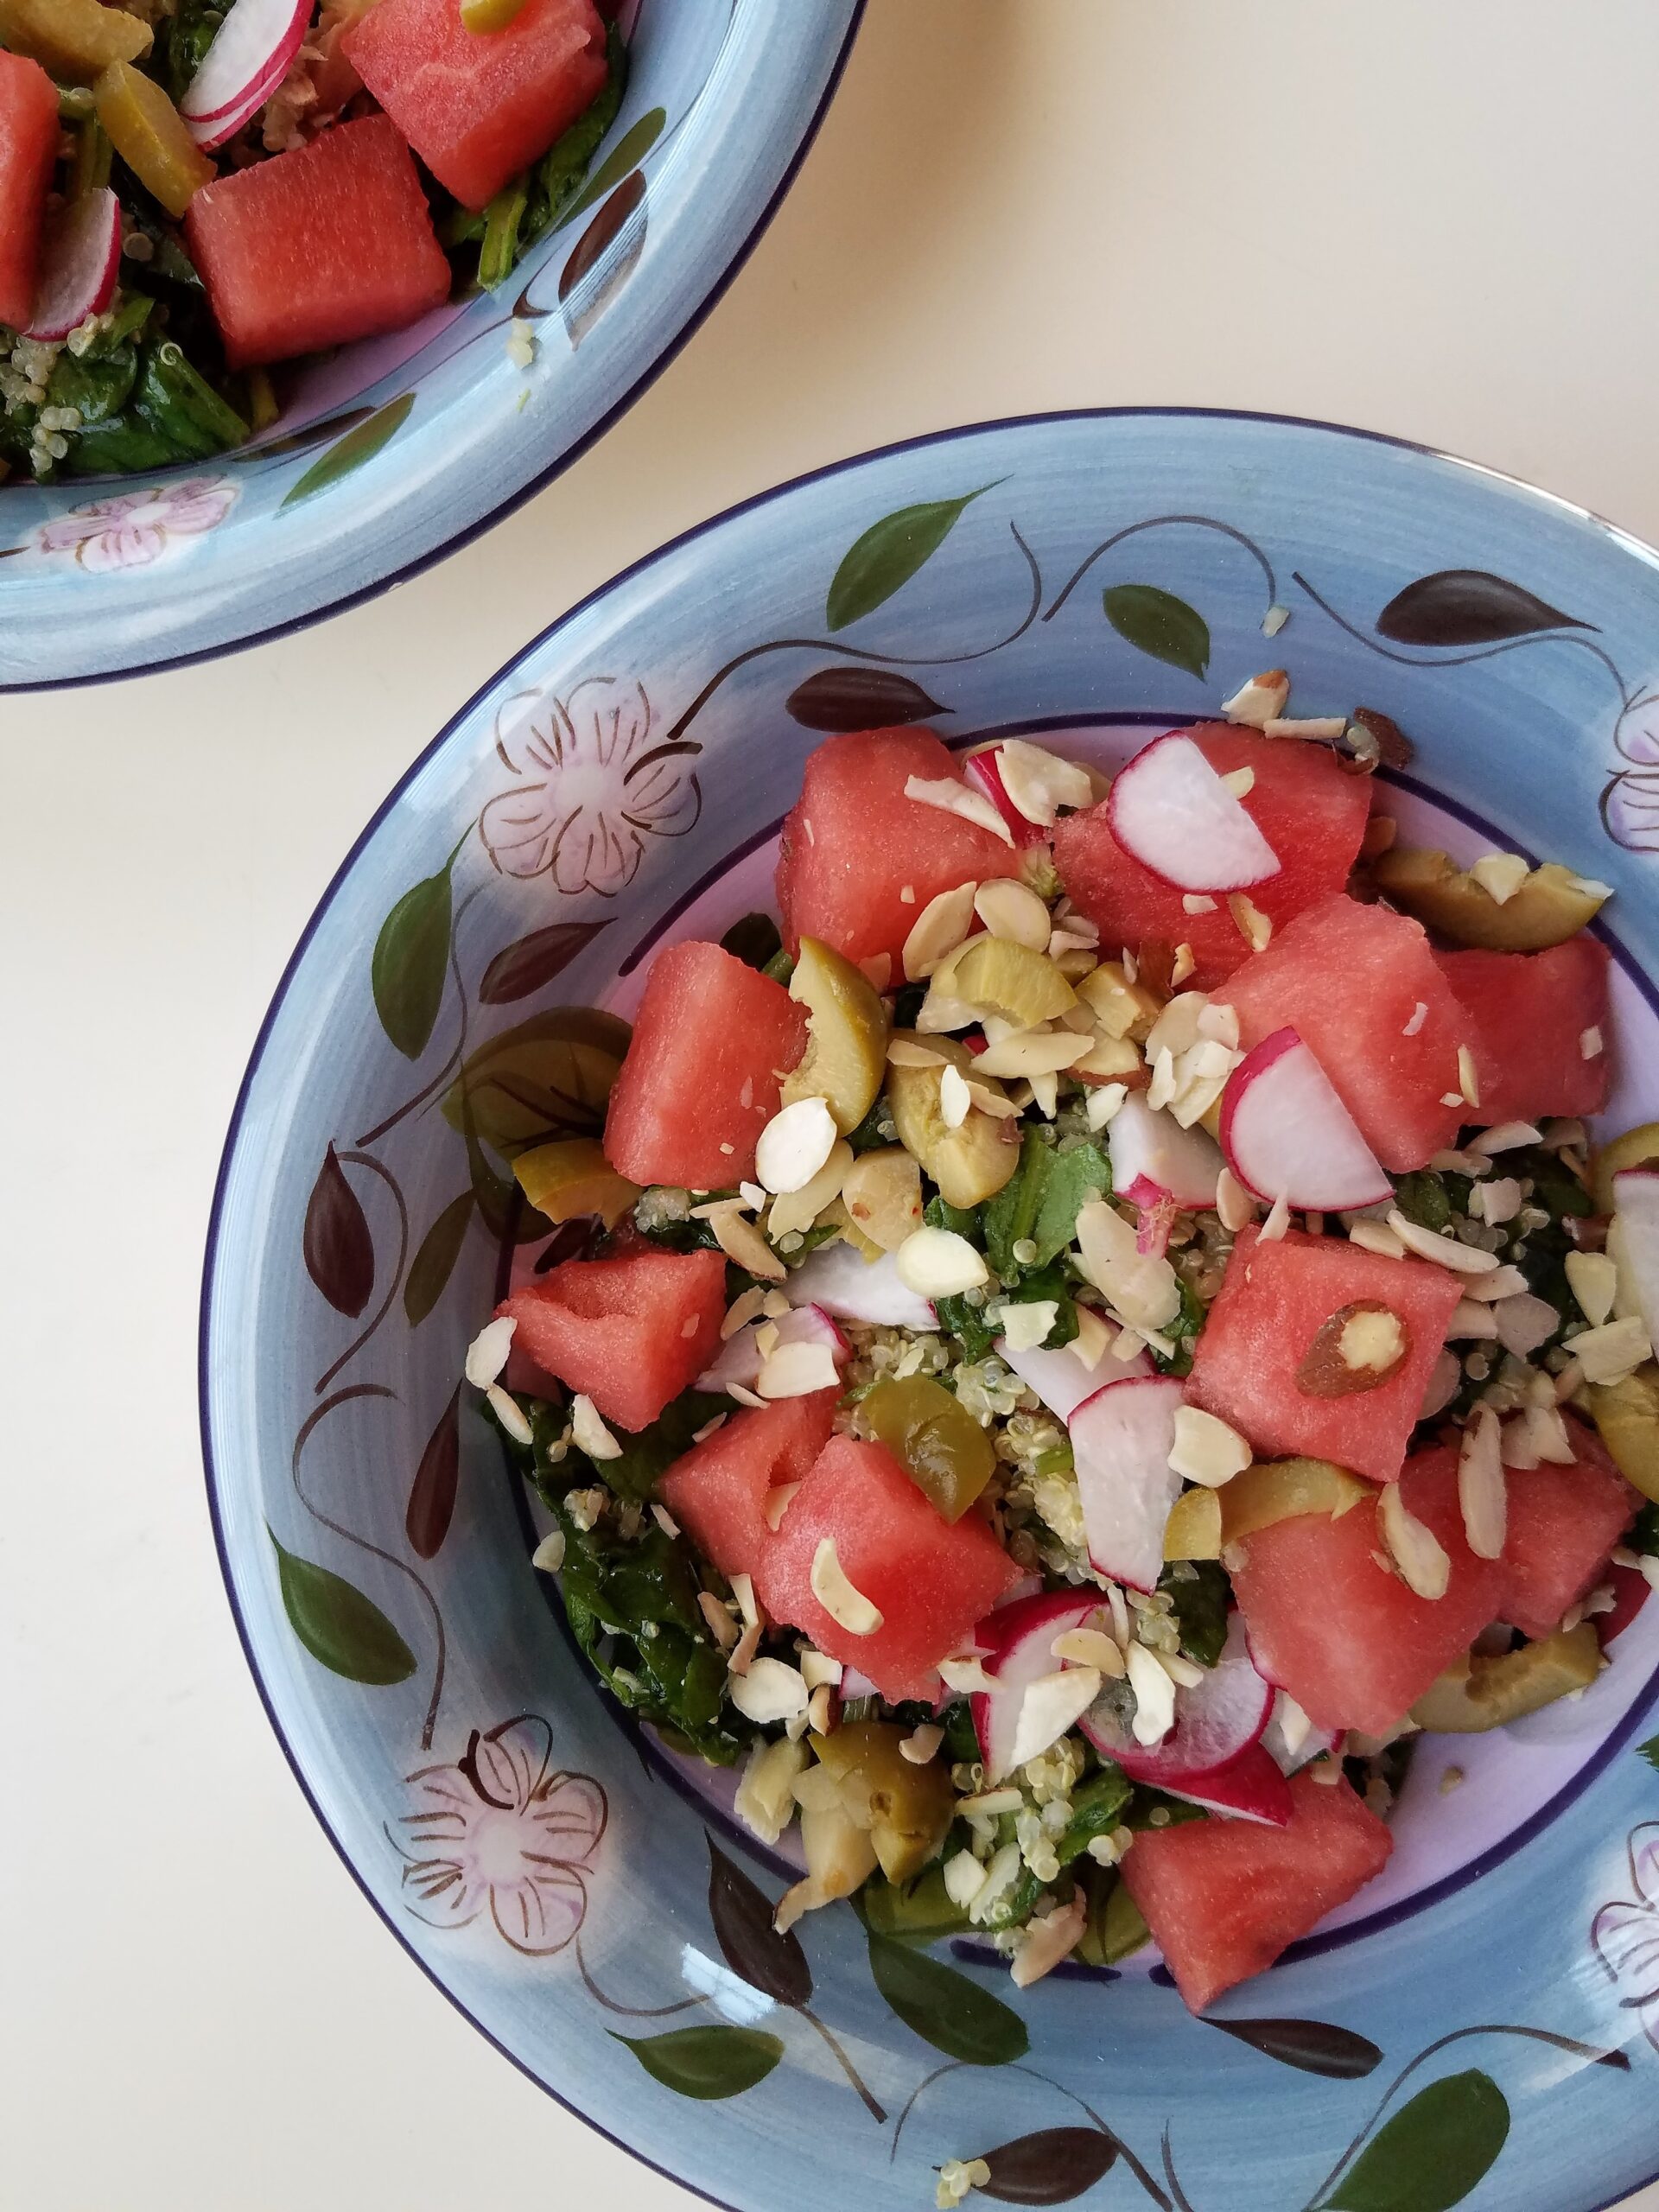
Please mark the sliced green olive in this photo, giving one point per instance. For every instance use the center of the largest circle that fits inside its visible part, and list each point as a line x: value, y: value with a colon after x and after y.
x: 75, y: 39
x: 1121, y: 1008
x: 846, y: 1035
x: 934, y: 1438
x: 882, y: 1194
x: 999, y: 977
x: 1626, y: 1415
x: 907, y: 1808
x: 1637, y: 1147
x: 573, y: 1177
x: 1485, y: 1691
x: 1279, y: 1489
x: 969, y: 1163
x: 1551, y: 904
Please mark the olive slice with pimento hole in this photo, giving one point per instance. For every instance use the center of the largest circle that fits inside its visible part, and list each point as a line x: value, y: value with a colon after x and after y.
x: 1359, y: 1348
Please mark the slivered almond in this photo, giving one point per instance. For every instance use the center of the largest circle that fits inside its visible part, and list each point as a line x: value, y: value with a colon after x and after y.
x: 1011, y: 910
x: 1414, y: 1549
x: 950, y: 797
x: 779, y: 1500
x: 939, y: 928
x: 1318, y: 730
x: 1253, y: 925
x: 1040, y: 783
x: 1445, y: 1251
x: 741, y: 1241
x: 1034, y: 1051
x: 1482, y: 1492
x: 1260, y: 702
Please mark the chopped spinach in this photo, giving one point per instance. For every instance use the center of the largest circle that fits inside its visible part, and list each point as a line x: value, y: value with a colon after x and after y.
x: 917, y: 1911
x: 1098, y: 1805
x: 1203, y: 1596
x: 648, y: 1453
x: 171, y: 413
x: 1431, y: 1199
x: 1644, y: 1531
x: 1183, y: 1331
x: 1039, y: 1204
x: 754, y: 940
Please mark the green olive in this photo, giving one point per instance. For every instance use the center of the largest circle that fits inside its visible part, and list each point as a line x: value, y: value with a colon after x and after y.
x: 846, y: 1035
x: 969, y: 1163
x: 998, y: 975
x: 1626, y: 1415
x: 908, y: 1807
x: 1637, y: 1147
x: 1485, y: 1691
x: 1551, y: 906
x: 934, y: 1438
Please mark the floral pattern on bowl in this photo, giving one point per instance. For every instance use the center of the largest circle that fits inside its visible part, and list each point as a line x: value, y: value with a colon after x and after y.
x: 453, y: 997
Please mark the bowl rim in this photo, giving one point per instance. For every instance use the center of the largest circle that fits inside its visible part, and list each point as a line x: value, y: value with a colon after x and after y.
x: 1555, y: 502
x: 674, y: 344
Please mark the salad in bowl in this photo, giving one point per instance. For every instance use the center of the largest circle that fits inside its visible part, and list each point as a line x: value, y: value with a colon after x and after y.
x: 1092, y: 1327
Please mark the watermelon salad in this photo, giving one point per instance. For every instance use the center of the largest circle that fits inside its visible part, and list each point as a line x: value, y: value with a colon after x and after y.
x: 1093, y: 1327
x: 195, y: 194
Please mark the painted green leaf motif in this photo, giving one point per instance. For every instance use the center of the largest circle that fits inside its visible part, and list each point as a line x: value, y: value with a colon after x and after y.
x: 1156, y: 622
x: 601, y: 234
x: 628, y: 152
x: 313, y: 434
x: 338, y: 1626
x: 889, y: 554
x: 360, y: 444
x: 1312, y: 2046
x: 1650, y: 1750
x: 706, y: 2063
x: 411, y: 958
x: 432, y: 1265
x: 1432, y: 2154
x: 945, y: 2009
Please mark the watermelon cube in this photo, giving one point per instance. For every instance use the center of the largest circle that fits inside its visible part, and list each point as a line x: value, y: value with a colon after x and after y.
x: 28, y: 151
x: 859, y: 861
x: 712, y: 1041
x: 932, y: 1580
x: 314, y: 248
x: 1341, y: 1631
x: 1360, y: 987
x: 477, y: 106
x: 718, y: 1492
x: 1564, y: 1523
x: 632, y: 1332
x: 1255, y: 1364
x: 1224, y: 1898
x: 1310, y: 811
x: 1527, y: 1016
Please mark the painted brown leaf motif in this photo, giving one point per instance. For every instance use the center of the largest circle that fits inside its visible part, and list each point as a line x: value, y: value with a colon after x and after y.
x: 860, y: 698
x: 517, y: 970
x: 432, y: 1493
x: 339, y: 1249
x: 752, y: 1947
x: 614, y: 219
x: 1051, y: 2167
x: 1312, y: 2046
x: 1468, y: 606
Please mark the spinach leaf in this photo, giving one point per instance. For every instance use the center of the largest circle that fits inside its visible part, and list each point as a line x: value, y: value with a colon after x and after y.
x: 182, y: 41
x: 99, y: 385
x: 652, y: 1450
x: 1173, y: 1812
x: 1428, y: 1199
x: 755, y: 940
x: 1039, y: 1204
x: 875, y: 1130
x: 1098, y: 1805
x: 556, y: 179
x: 1047, y: 1284
x: 1203, y: 1595
x: 172, y: 414
x: 1183, y: 1333
x: 917, y: 1911
x: 1644, y: 1531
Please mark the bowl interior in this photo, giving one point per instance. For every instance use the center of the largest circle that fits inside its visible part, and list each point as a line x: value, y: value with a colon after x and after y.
x: 588, y: 1901
x: 393, y: 449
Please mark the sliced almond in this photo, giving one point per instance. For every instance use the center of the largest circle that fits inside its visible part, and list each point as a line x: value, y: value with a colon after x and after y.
x: 1233, y: 1202
x: 508, y: 1412
x: 1593, y: 1280
x: 1414, y: 1549
x: 902, y: 1054
x: 741, y: 1241
x: 795, y: 1210
x: 1468, y: 1082
x: 1505, y: 1281
x: 1274, y: 1229
x: 1038, y: 782
x: 939, y: 1014
x: 1258, y: 703
x: 795, y: 1144
x: 1482, y: 1491
x: 1471, y: 1320
x: 1376, y: 1237
x: 819, y: 1670
x: 769, y: 1691
x: 1217, y: 1024
x: 1198, y: 902
x: 1184, y: 964
x: 721, y: 1626
x: 1026, y: 1322
x: 1590, y: 1043
x: 954, y: 1103
x: 1176, y: 1029
x: 847, y: 1606
x: 1316, y: 729
x: 1358, y: 1348
x: 1610, y: 1352
x: 922, y: 1744
x: 1419, y: 1016
x: 548, y: 1555
x: 1051, y: 1705
x: 996, y: 1103
x: 1445, y: 1251
x: 1207, y: 1449
x: 778, y: 1499
x: 1523, y: 1323
x: 882, y: 1194
x: 487, y: 1354
x: 1496, y: 1200
x: 1011, y: 909
x: 1103, y: 1104
x: 1034, y: 1051
x: 1142, y: 1286
x: 950, y: 797
x: 1506, y: 1136
x: 937, y: 1263
x: 1500, y: 875
x: 938, y: 929
x: 1240, y: 781
x: 1154, y: 1695
x: 1253, y: 925
x: 966, y: 1676
x: 589, y: 1431
x: 798, y: 1370
x: 1089, y: 1647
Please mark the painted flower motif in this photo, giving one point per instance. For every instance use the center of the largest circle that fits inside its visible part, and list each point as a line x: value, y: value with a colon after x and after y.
x: 503, y: 1829
x: 592, y: 788
x: 1630, y: 808
x: 1626, y: 1934
x: 134, y: 528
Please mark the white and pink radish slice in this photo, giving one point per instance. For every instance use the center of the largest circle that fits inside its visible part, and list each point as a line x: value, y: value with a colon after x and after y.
x: 249, y: 56
x: 80, y: 263
x: 1290, y: 1738
x: 1064, y: 1379
x: 1287, y: 1133
x: 1153, y: 1157
x: 1121, y: 1438
x: 1017, y: 1641
x: 984, y: 771
x: 740, y: 1359
x: 1214, y: 1756
x: 1170, y: 811
x: 1633, y: 1244
x: 844, y: 1283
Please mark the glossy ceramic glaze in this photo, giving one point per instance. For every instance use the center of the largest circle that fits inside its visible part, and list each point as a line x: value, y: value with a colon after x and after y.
x: 1483, y: 2028
x: 395, y: 449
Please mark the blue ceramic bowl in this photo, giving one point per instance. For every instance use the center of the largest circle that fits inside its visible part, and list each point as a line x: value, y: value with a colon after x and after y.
x: 1482, y: 2026
x: 397, y: 449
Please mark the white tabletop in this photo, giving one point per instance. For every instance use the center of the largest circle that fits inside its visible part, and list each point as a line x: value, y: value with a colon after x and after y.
x: 1432, y: 220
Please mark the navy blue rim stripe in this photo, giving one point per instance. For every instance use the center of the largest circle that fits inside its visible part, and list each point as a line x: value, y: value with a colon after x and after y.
x: 1057, y: 721
x: 556, y: 468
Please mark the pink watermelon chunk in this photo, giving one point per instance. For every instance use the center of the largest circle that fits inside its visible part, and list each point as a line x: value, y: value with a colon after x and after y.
x: 477, y: 106
x: 1527, y: 1016
x: 1361, y: 987
x: 717, y: 1492
x: 1274, y: 1299
x: 28, y: 150
x: 632, y: 1332
x: 1564, y: 1523
x: 1350, y: 1642
x: 1310, y: 811
x: 313, y: 248
x: 853, y: 844
x: 932, y: 1580
x: 1224, y: 1897
x: 712, y: 1040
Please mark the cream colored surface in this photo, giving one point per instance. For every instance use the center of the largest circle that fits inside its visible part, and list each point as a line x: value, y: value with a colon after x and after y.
x: 1433, y: 220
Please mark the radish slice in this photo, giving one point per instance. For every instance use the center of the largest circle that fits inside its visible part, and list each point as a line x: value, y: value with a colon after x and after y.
x: 1062, y: 1380
x: 1214, y: 1755
x: 1286, y: 1135
x: 211, y: 132
x: 252, y: 48
x: 843, y: 1281
x: 1170, y: 811
x: 1309, y: 1742
x: 1121, y: 1438
x: 82, y: 260
x: 1633, y: 1242
x: 1153, y: 1157
x: 739, y: 1358
x: 1018, y: 1641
